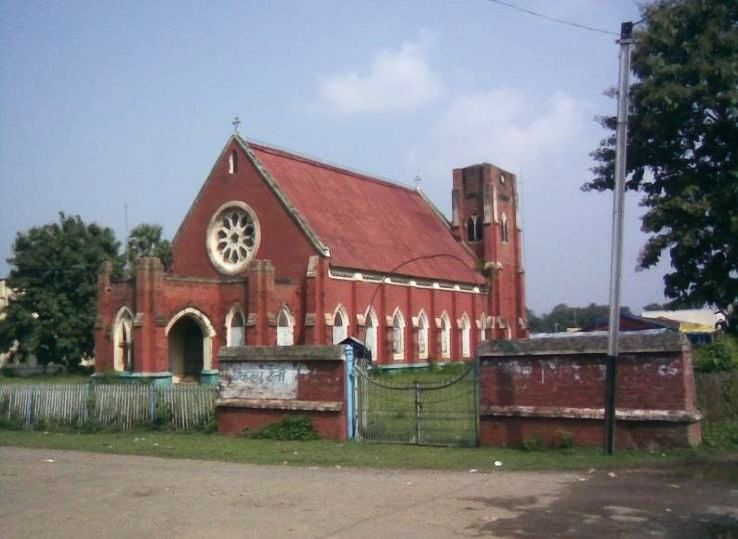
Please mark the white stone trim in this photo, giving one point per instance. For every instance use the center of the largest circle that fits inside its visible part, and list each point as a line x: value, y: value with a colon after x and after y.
x: 340, y: 309
x: 211, y: 241
x: 437, y: 285
x: 235, y: 308
x: 208, y: 331
x: 123, y: 319
x: 422, y: 316
x: 445, y: 334
x: 398, y: 356
x: 371, y: 316
x: 290, y: 335
x: 465, y: 328
x: 202, y: 319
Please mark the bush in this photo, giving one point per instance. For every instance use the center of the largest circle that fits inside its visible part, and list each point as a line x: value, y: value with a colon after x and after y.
x: 722, y: 434
x: 290, y: 428
x: 12, y: 423
x: 162, y: 415
x: 534, y: 443
x: 211, y: 425
x: 721, y: 355
x: 566, y: 439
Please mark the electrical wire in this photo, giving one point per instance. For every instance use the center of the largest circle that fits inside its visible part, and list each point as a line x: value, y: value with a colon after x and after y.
x: 553, y: 19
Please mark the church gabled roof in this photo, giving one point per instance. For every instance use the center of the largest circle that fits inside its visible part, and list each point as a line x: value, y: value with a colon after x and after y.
x: 367, y: 224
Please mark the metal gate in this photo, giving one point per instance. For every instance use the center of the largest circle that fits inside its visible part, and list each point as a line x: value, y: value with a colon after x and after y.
x: 443, y: 414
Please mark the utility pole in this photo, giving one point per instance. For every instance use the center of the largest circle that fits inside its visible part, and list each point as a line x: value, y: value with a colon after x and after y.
x: 616, y: 255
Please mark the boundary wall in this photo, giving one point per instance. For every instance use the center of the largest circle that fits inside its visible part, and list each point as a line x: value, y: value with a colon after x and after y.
x: 260, y: 385
x: 553, y: 389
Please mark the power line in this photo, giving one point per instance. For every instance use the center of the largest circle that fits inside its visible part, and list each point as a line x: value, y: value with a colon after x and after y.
x: 553, y: 19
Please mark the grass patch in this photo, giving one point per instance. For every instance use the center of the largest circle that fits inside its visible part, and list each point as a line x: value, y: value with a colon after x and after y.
x: 433, y: 374
x: 294, y: 428
x: 350, y: 454
x: 720, y: 434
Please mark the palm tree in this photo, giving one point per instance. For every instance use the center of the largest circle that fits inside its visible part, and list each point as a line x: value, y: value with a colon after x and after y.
x: 145, y: 240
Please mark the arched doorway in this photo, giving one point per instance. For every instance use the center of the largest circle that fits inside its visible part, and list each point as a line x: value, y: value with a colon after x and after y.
x: 186, y: 358
x: 190, y: 335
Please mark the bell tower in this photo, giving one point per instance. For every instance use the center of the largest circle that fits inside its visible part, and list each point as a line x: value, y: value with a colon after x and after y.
x: 486, y: 218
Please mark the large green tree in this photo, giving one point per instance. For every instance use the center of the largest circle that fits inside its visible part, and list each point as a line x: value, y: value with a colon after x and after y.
x: 146, y: 240
x: 683, y: 147
x: 54, y: 275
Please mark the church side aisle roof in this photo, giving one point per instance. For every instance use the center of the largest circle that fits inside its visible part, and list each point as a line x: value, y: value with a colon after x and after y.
x: 368, y: 224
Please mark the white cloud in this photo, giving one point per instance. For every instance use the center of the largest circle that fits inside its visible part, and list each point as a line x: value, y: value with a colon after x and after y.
x: 505, y: 127
x: 397, y: 80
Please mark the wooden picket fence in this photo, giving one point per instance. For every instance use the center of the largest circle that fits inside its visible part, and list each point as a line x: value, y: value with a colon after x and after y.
x: 109, y: 406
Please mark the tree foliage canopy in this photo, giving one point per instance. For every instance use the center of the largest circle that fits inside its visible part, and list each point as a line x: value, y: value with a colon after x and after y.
x: 683, y: 146
x: 562, y: 317
x: 146, y: 240
x: 54, y: 277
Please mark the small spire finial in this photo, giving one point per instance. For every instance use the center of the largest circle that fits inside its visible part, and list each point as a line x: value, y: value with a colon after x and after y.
x: 417, y: 181
x: 236, y: 124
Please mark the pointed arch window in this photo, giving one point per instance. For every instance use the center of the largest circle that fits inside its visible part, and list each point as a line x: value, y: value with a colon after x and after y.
x: 371, y: 333
x: 123, y: 352
x: 474, y: 228
x: 340, y: 325
x: 422, y: 336
x: 504, y: 229
x: 235, y: 328
x: 445, y: 336
x: 398, y: 335
x: 465, y: 336
x: 233, y: 162
x: 285, y: 328
x: 483, y: 327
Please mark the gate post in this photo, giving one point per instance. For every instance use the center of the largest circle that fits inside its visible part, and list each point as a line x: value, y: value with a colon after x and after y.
x: 477, y: 372
x: 418, y: 410
x: 349, y: 389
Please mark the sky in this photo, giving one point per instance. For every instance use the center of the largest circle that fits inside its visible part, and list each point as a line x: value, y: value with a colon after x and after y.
x: 109, y: 105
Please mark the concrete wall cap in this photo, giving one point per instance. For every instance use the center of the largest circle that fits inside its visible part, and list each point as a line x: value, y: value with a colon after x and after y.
x: 281, y: 353
x: 583, y: 343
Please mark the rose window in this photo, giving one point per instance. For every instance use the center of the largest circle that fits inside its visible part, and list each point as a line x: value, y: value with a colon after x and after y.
x: 233, y: 237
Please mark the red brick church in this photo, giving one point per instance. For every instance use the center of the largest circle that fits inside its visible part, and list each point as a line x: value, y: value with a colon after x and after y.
x: 281, y: 249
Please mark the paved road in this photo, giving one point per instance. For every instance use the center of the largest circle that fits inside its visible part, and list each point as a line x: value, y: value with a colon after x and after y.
x: 71, y: 494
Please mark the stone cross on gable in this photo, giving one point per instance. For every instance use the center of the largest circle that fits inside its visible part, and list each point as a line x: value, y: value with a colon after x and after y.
x: 236, y: 124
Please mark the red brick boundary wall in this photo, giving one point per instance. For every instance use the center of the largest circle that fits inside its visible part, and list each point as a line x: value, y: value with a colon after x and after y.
x: 260, y: 385
x: 553, y: 388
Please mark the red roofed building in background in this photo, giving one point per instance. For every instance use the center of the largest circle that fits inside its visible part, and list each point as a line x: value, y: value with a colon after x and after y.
x: 280, y: 249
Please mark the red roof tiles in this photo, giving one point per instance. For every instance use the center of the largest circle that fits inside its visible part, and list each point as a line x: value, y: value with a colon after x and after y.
x: 369, y: 224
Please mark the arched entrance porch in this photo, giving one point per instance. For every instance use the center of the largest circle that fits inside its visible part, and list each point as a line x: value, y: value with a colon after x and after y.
x: 190, y: 335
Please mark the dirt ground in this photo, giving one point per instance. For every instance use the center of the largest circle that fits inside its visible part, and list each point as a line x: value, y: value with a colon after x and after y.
x: 47, y: 493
